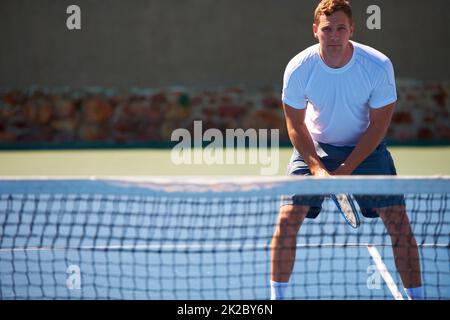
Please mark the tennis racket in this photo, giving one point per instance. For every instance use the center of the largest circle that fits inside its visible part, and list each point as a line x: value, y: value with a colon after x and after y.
x: 347, y: 208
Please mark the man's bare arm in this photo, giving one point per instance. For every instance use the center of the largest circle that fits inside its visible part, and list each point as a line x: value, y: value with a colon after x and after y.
x: 301, y: 139
x: 379, y: 124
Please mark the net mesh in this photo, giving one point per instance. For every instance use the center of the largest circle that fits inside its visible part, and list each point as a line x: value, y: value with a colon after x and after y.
x: 165, y: 239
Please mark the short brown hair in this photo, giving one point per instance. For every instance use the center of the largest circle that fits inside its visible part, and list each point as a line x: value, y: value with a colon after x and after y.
x: 328, y: 7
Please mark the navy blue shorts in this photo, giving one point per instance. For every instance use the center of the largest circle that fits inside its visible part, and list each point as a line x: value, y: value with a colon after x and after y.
x: 380, y: 162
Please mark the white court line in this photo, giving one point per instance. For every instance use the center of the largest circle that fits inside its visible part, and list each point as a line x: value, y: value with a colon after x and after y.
x: 385, y: 273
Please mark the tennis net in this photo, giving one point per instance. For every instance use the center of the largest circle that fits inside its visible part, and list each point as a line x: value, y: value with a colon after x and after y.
x: 186, y: 238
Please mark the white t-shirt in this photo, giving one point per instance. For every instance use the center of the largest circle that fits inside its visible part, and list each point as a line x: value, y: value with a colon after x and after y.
x: 338, y: 100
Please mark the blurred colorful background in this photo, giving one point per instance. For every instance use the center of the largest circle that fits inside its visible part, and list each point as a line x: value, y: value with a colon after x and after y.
x: 138, y: 70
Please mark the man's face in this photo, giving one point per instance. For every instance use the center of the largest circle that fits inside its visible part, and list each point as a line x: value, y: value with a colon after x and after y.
x: 333, y: 33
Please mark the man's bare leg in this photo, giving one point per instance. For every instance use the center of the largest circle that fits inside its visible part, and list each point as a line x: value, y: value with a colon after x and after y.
x: 404, y: 245
x: 283, y: 247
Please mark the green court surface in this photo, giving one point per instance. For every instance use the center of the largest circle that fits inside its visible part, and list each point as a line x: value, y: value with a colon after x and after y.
x: 158, y: 162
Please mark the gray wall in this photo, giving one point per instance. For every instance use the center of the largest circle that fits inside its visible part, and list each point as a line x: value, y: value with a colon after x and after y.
x: 153, y: 43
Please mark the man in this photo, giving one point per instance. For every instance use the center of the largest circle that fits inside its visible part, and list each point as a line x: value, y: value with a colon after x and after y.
x: 338, y: 98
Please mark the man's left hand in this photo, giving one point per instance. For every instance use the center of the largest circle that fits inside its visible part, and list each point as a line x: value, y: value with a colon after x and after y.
x: 342, y: 170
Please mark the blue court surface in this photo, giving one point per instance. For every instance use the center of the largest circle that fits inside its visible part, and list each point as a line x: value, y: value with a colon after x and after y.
x: 107, y: 249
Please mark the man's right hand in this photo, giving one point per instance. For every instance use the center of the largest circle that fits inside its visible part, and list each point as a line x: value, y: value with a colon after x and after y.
x: 320, y: 172
x: 302, y: 141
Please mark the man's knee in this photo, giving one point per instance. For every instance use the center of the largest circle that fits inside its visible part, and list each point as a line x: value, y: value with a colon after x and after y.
x: 292, y: 216
x: 395, y: 219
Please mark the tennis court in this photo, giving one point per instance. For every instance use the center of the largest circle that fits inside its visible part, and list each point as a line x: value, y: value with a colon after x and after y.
x: 157, y: 162
x: 99, y: 223
x: 206, y: 239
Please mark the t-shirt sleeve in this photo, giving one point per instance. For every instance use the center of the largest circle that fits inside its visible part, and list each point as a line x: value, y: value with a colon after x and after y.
x: 384, y: 91
x: 293, y: 92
